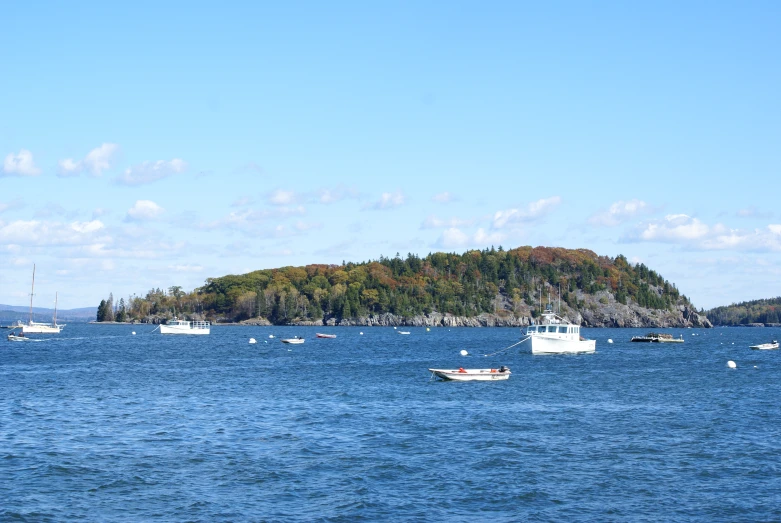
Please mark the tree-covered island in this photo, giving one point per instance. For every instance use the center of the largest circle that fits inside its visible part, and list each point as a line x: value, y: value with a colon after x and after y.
x: 477, y: 288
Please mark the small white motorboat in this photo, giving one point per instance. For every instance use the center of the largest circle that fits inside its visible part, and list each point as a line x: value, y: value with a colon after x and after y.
x: 293, y: 341
x: 403, y: 332
x: 462, y: 374
x: 21, y: 337
x: 320, y: 335
x: 766, y: 346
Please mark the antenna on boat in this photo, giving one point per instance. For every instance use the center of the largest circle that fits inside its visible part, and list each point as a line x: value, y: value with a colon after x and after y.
x: 32, y: 293
x: 559, y: 298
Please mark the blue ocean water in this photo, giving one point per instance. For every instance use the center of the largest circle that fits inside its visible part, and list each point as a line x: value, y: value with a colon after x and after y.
x: 98, y: 424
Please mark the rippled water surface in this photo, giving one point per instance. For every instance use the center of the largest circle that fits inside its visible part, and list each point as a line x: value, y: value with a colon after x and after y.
x: 102, y: 425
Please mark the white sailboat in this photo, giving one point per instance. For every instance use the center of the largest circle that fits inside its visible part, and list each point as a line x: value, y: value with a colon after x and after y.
x: 37, y: 327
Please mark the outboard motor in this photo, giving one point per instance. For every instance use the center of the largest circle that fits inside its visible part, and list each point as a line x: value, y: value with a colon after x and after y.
x: 504, y: 369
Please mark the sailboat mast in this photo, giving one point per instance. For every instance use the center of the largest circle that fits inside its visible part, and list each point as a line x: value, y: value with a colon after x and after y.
x: 55, y: 310
x: 32, y: 292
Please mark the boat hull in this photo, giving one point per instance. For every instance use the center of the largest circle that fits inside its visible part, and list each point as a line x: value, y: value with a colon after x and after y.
x: 293, y: 341
x: 546, y: 345
x: 765, y: 346
x: 42, y: 328
x: 471, y: 374
x: 183, y: 329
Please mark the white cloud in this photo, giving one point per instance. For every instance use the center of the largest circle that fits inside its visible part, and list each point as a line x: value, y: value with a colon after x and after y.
x: 533, y: 211
x: 691, y: 232
x: 674, y: 228
x: 456, y: 238
x: 144, y: 210
x: 432, y: 222
x: 43, y: 233
x: 337, y: 194
x: 96, y: 161
x: 280, y: 197
x: 443, y: 197
x: 149, y: 172
x: 389, y: 200
x: 21, y: 164
x: 619, y: 212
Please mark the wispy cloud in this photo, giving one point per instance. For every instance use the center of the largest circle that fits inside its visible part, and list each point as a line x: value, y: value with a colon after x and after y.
x: 433, y: 222
x: 388, y: 200
x: 281, y: 197
x: 456, y: 238
x: 619, y: 212
x: 143, y: 211
x: 95, y: 163
x: 533, y: 211
x: 149, y: 172
x: 16, y: 203
x: 51, y: 233
x: 21, y: 164
x: 443, y: 197
x: 694, y: 234
x: 256, y: 222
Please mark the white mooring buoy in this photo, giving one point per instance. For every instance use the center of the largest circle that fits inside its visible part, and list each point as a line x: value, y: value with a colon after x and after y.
x: 252, y: 340
x: 731, y: 364
x: 609, y: 340
x: 134, y: 333
x: 464, y: 352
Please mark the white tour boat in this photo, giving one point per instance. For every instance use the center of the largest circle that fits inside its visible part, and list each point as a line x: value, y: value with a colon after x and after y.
x: 766, y: 346
x: 177, y: 326
x: 556, y: 335
x: 462, y: 374
x: 37, y: 327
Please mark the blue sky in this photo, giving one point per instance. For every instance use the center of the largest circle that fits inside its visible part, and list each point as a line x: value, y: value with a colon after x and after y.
x: 154, y: 144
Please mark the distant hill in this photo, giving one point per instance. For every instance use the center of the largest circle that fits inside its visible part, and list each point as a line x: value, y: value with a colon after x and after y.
x: 765, y: 311
x: 11, y: 313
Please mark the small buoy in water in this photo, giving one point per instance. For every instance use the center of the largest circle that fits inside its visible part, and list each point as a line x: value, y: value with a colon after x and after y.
x: 609, y: 341
x: 731, y: 364
x: 270, y: 335
x: 394, y: 328
x: 252, y: 340
x: 134, y: 333
x: 756, y: 367
x: 361, y: 334
x: 464, y: 352
x: 427, y: 329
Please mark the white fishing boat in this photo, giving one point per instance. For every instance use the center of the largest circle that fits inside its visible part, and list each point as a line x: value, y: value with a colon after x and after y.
x: 177, y: 326
x: 321, y: 335
x: 38, y: 327
x: 403, y: 332
x: 766, y: 346
x: 556, y: 335
x: 462, y: 374
x: 293, y: 341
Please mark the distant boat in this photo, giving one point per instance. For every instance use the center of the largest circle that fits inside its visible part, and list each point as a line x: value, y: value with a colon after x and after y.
x: 20, y: 337
x: 36, y: 327
x: 293, y: 341
x: 177, y: 326
x: 403, y: 332
x: 320, y: 335
x: 555, y: 335
x: 462, y: 374
x: 655, y: 337
x: 766, y: 346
